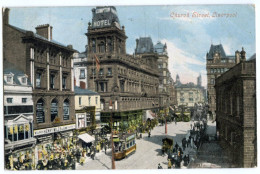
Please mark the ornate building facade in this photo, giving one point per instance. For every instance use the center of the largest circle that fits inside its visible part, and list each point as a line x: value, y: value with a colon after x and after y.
x: 217, y: 63
x: 49, y: 67
x: 130, y: 81
x: 236, y: 111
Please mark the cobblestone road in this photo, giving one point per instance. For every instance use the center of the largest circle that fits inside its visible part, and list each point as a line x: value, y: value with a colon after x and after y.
x: 148, y: 153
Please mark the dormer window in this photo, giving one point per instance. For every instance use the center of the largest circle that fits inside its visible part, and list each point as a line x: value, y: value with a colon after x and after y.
x: 9, y: 79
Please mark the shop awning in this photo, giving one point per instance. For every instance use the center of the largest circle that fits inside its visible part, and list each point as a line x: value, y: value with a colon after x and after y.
x: 86, y: 137
x: 150, y: 114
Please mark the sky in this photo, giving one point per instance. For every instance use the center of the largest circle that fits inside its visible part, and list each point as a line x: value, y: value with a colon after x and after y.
x: 188, y: 37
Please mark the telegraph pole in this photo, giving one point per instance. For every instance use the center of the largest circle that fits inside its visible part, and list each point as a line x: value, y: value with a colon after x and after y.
x: 112, y: 141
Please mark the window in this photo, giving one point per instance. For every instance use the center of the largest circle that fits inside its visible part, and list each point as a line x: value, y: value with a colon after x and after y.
x: 102, y: 88
x: 82, y: 74
x: 109, y: 44
x: 24, y: 100
x: 190, y: 99
x: 237, y: 105
x: 66, y: 107
x: 9, y: 100
x: 93, y: 71
x: 182, y: 99
x: 212, y: 81
x: 54, y: 109
x: 64, y: 82
x: 79, y: 100
x: 211, y: 70
x: 38, y: 80
x: 93, y: 45
x: 24, y: 80
x: 89, y: 101
x: 109, y: 71
x: 40, y: 114
x: 101, y: 47
x: 96, y: 100
x: 21, y: 132
x: 52, y: 78
x: 122, y: 85
x: 101, y: 71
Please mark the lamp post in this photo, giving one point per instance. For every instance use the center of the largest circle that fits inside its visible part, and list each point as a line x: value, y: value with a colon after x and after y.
x: 112, y: 142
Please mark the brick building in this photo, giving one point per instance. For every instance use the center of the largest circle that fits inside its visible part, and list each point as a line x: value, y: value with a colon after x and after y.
x: 130, y: 81
x: 236, y: 111
x: 49, y: 67
x: 217, y: 63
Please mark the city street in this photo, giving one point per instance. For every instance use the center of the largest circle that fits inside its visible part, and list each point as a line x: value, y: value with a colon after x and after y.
x: 148, y: 154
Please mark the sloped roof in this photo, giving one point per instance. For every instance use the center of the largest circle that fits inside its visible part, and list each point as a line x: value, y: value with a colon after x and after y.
x: 80, y: 91
x: 40, y: 37
x: 11, y: 69
x: 144, y: 45
x: 160, y: 48
x: 253, y: 57
x: 216, y: 48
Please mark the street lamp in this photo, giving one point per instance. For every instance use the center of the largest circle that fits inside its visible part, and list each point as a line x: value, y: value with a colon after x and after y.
x: 112, y: 142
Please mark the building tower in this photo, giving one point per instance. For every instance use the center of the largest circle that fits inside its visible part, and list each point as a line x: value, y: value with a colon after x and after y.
x: 199, y: 80
x: 217, y: 63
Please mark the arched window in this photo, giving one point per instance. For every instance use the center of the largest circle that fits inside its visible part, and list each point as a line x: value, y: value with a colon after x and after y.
x: 54, y: 109
x: 110, y: 46
x: 101, y: 47
x: 40, y: 117
x: 66, y: 107
x: 93, y: 46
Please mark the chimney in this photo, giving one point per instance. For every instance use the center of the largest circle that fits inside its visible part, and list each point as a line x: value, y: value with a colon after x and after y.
x: 6, y: 16
x: 82, y: 85
x: 243, y: 55
x: 237, y: 57
x: 44, y: 31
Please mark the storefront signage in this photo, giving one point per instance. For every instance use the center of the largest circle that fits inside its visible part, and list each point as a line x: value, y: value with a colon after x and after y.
x: 54, y: 129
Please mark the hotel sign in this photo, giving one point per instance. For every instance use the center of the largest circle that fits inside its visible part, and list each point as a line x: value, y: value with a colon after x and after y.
x: 54, y: 129
x: 101, y: 23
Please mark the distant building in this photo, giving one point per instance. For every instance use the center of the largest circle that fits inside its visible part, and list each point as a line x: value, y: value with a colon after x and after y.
x: 18, y: 114
x: 166, y: 87
x: 236, y: 111
x: 130, y: 81
x: 217, y: 63
x: 80, y: 69
x: 189, y: 94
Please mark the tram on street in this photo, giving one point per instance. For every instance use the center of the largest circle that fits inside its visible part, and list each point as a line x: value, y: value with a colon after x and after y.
x: 124, y: 145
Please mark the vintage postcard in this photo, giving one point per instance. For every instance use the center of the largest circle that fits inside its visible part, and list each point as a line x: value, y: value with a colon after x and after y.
x: 129, y: 87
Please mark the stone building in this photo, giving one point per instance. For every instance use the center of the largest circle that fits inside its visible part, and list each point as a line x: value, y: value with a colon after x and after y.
x: 236, y: 111
x: 49, y: 67
x: 130, y: 81
x: 18, y: 116
x: 166, y: 85
x: 217, y: 63
x: 189, y: 94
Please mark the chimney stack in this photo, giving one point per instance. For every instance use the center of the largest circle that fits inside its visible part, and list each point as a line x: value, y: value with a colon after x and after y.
x: 82, y: 85
x: 237, y: 57
x: 6, y: 16
x: 44, y: 31
x: 243, y: 55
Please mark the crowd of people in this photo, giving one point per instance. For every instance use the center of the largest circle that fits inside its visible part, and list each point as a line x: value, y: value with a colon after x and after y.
x: 177, y: 155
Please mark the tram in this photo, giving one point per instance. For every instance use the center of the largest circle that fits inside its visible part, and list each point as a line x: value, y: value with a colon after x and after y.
x: 124, y: 145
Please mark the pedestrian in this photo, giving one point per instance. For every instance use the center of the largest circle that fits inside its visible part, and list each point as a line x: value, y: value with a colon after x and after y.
x: 183, y: 143
x: 169, y: 164
x: 105, y: 149
x: 191, y: 126
x: 159, y: 166
x: 149, y: 134
x: 175, y: 120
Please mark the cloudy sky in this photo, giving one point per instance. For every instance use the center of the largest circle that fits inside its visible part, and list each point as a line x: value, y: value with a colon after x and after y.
x: 188, y: 37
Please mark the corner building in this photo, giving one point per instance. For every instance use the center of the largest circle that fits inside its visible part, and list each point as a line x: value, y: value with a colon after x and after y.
x: 236, y: 112
x: 130, y: 81
x: 49, y: 67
